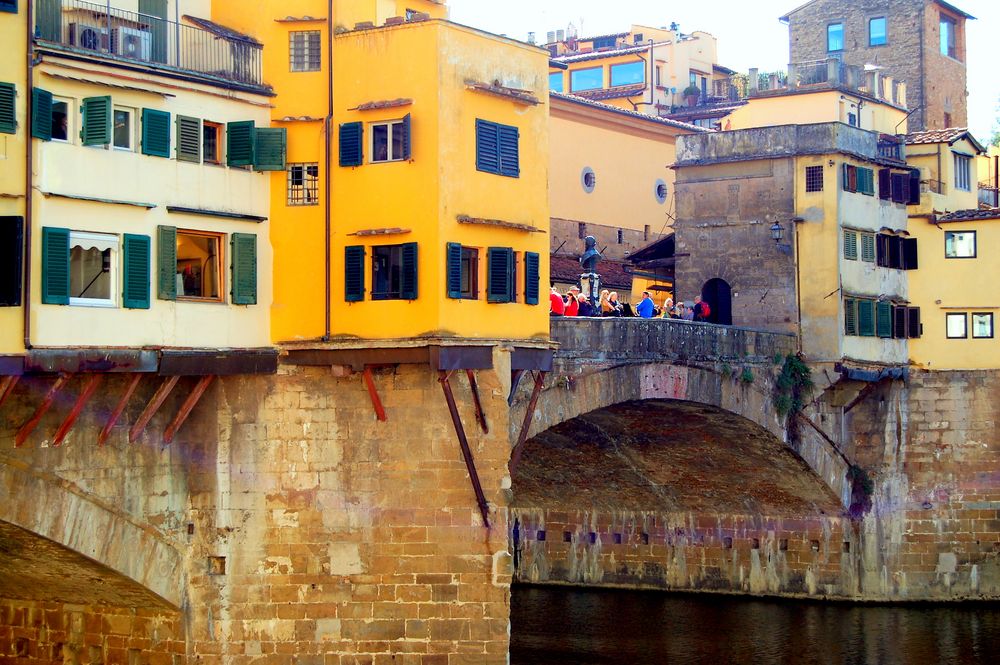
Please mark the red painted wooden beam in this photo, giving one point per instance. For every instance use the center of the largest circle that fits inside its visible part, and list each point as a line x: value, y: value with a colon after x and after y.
x: 7, y: 387
x: 470, y: 463
x: 119, y: 408
x: 187, y: 407
x: 373, y: 393
x: 154, y: 405
x: 88, y: 390
x: 529, y: 413
x: 28, y: 427
x: 480, y: 416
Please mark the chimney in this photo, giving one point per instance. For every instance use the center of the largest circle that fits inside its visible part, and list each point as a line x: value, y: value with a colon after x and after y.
x: 550, y: 37
x: 560, y: 35
x: 531, y: 38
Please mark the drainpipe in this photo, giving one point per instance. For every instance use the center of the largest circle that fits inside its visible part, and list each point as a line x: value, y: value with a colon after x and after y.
x: 652, y: 77
x: 28, y: 167
x: 327, y: 159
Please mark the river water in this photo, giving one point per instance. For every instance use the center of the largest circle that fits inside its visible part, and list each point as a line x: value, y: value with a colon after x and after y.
x: 561, y: 625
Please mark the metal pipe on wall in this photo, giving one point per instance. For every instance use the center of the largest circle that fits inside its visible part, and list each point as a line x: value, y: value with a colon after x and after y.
x: 29, y: 165
x: 327, y: 180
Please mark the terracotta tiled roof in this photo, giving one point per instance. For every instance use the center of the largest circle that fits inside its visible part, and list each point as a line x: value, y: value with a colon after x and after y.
x: 949, y: 136
x: 221, y: 30
x: 567, y: 270
x: 597, y: 55
x: 969, y: 215
x: 576, y: 99
x: 613, y: 34
x: 613, y: 93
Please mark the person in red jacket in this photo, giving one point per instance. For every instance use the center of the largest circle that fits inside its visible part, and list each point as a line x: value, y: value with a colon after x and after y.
x: 572, y: 304
x: 556, y: 306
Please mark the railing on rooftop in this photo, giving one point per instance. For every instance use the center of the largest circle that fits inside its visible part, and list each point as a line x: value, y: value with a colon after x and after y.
x: 891, y: 148
x: 989, y: 195
x: 107, y: 30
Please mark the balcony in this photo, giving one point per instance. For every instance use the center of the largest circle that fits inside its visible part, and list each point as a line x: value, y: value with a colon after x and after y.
x: 100, y: 29
x: 891, y: 148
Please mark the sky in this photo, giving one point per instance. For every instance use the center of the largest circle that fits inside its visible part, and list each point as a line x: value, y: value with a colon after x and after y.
x: 748, y: 31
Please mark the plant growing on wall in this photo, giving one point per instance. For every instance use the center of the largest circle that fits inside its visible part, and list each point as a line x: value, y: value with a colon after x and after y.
x: 792, y: 386
x: 862, y: 489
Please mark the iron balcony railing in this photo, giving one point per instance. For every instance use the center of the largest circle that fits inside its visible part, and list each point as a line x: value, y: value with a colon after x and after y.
x: 104, y: 29
x: 989, y: 196
x: 891, y: 148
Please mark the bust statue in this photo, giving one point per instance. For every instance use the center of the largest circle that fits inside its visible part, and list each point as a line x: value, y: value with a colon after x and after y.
x: 590, y: 256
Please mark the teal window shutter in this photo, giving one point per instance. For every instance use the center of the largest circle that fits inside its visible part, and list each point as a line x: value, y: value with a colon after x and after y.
x: 407, y: 140
x: 271, y: 149
x: 135, y: 282
x: 8, y: 6
x: 351, y: 144
x: 41, y: 114
x: 55, y: 266
x: 487, y: 146
x: 850, y: 316
x: 866, y: 318
x: 531, y: 278
x: 883, y: 319
x: 851, y: 245
x: 48, y: 20
x: 155, y: 133
x: 354, y: 273
x: 498, y: 280
x: 188, y: 139
x: 409, y: 276
x: 240, y: 143
x: 868, y: 247
x: 166, y: 263
x: 8, y: 108
x: 510, y: 164
x: 158, y: 27
x: 244, y: 251
x: 96, y: 128
x: 454, y: 270
x: 11, y: 260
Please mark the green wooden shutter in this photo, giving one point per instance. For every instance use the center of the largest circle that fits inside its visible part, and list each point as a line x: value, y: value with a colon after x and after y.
x: 851, y: 245
x: 868, y: 247
x: 866, y: 318
x: 157, y: 27
x: 850, y: 316
x: 96, y: 128
x: 48, y: 20
x: 453, y: 270
x: 11, y: 260
x: 487, y: 146
x: 41, y: 114
x: 510, y: 161
x: 531, y: 278
x: 409, y: 277
x: 240, y: 143
x: 135, y: 282
x: 166, y: 263
x: 883, y: 319
x: 188, y: 139
x: 244, y: 277
x: 498, y: 279
x: 407, y: 140
x: 8, y: 6
x: 8, y: 108
x: 270, y: 149
x: 354, y: 273
x: 352, y: 151
x: 55, y: 266
x: 845, y: 177
x: 155, y: 133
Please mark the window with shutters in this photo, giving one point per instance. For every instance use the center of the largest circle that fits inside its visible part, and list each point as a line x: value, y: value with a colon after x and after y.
x: 211, y: 142
x: 532, y: 278
x: 851, y: 245
x: 960, y: 244
x: 390, y: 141
x: 868, y: 247
x: 501, y: 275
x: 394, y: 272
x: 956, y: 325
x: 199, y: 270
x: 8, y: 108
x: 866, y: 181
x: 123, y: 128
x: 982, y: 325
x: 304, y: 50
x: 351, y: 144
x: 41, y: 114
x: 8, y: 6
x: 866, y: 318
x: 188, y: 139
x: 11, y: 260
x: 814, y: 178
x: 136, y: 261
x: 155, y: 133
x: 850, y: 316
x: 462, y: 272
x: 241, y: 143
x: 271, y: 144
x: 850, y: 178
x: 96, y: 121
x: 883, y: 319
x: 896, y: 252
x: 354, y: 273
x: 497, y: 149
x: 62, y: 119
x: 93, y: 269
x: 900, y: 183
x: 303, y: 184
x: 243, y: 249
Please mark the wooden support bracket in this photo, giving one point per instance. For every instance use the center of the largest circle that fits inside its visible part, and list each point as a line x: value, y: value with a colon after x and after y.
x: 187, y: 407
x: 7, y: 384
x: 529, y: 413
x: 470, y: 463
x: 28, y: 427
x: 373, y: 393
x: 119, y: 408
x: 515, y: 381
x: 154, y: 405
x: 88, y: 390
x: 480, y: 415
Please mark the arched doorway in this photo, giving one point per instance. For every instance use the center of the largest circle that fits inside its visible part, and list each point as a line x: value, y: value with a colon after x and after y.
x: 719, y: 296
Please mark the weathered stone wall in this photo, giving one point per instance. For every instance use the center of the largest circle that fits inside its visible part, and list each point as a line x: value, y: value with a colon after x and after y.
x: 565, y: 236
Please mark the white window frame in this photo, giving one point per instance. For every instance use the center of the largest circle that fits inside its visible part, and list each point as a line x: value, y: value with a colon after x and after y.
x: 390, y: 157
x: 955, y: 254
x: 301, y: 39
x: 110, y: 241
x: 131, y: 128
x: 956, y: 316
x: 70, y: 117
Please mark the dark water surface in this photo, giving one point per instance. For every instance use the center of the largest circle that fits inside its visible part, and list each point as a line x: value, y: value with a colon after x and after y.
x: 558, y: 626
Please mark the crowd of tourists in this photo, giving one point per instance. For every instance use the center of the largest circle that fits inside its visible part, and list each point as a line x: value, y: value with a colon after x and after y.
x: 574, y: 303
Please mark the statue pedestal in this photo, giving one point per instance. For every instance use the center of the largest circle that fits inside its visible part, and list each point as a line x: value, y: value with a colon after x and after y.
x: 590, y: 284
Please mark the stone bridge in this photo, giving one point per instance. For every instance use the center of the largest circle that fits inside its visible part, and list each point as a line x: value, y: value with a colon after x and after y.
x: 326, y: 513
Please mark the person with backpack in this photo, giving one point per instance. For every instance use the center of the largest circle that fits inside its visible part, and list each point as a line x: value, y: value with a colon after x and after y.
x: 701, y: 310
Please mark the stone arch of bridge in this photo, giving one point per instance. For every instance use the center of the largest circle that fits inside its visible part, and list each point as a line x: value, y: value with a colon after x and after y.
x: 46, y: 507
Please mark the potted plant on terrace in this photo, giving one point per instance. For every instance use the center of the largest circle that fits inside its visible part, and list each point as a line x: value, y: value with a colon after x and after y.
x: 691, y: 94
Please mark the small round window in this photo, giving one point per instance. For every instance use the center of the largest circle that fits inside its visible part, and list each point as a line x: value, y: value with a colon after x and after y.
x: 660, y: 191
x: 588, y: 179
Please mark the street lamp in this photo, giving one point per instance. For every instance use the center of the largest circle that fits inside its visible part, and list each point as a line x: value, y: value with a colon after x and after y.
x: 777, y: 233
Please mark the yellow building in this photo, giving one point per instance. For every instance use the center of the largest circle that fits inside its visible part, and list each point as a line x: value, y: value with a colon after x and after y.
x: 646, y: 69
x: 425, y: 213
x: 149, y: 145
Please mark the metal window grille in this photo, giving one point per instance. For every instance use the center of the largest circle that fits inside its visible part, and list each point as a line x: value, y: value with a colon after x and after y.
x: 814, y: 178
x: 304, y: 51
x: 303, y: 184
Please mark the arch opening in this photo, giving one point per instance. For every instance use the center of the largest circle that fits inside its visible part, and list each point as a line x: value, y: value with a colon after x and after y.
x: 719, y: 295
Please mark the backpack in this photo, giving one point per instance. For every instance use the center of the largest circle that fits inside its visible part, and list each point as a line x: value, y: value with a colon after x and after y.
x: 706, y: 311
